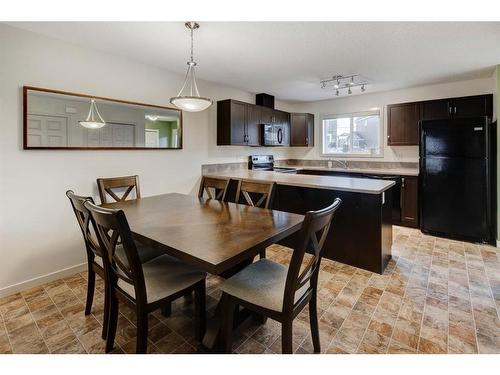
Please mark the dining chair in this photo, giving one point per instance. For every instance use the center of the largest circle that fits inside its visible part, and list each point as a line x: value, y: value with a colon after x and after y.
x: 214, y: 187
x: 113, y: 185
x: 278, y: 292
x: 144, y: 287
x: 94, y: 254
x: 256, y: 194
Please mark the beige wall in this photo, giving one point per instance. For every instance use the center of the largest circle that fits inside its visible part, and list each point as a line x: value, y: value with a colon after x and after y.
x: 38, y: 232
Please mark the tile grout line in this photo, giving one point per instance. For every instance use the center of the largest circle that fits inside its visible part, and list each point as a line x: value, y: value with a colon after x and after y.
x: 489, y: 285
x: 7, y: 332
x: 65, y: 320
x: 470, y: 300
x: 425, y: 301
x: 399, y: 312
x: 336, y: 333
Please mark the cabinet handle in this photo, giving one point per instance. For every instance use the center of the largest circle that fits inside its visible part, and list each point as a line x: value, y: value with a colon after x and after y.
x: 401, y: 194
x: 389, y: 138
x: 450, y: 109
x: 455, y: 110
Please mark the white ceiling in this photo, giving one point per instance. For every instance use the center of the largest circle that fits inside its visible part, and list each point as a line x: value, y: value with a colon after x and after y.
x: 288, y: 59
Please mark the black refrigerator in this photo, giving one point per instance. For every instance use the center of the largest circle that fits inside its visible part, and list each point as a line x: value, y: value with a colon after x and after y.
x: 458, y: 179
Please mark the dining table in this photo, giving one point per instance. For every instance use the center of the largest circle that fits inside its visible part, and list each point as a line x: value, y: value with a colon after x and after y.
x: 215, y: 236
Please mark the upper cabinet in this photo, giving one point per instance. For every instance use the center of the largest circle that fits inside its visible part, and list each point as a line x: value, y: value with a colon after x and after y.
x: 402, y: 124
x: 302, y: 129
x: 402, y: 119
x: 240, y: 124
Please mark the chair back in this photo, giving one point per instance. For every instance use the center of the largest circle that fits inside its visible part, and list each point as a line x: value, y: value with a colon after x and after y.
x: 112, y: 231
x: 256, y: 194
x: 83, y: 219
x: 113, y: 185
x: 311, y: 237
x: 214, y: 187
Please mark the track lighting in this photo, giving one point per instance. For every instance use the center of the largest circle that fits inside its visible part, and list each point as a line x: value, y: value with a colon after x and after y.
x: 340, y: 82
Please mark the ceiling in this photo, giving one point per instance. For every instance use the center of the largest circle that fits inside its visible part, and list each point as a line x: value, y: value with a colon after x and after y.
x: 288, y: 59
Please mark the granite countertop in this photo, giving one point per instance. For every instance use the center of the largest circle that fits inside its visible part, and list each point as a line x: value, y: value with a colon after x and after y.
x: 352, y: 184
x: 384, y: 171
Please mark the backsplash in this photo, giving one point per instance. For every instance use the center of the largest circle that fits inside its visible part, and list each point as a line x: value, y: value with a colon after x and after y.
x: 225, y: 167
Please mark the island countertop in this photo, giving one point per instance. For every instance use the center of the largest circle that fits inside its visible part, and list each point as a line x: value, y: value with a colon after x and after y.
x: 351, y: 184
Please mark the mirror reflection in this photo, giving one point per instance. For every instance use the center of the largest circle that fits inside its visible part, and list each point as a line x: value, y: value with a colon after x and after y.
x: 61, y: 120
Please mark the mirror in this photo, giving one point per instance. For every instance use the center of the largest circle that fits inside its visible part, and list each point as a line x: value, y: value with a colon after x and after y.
x: 61, y: 120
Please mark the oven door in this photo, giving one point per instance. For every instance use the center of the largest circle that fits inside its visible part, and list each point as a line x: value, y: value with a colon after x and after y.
x: 396, y: 194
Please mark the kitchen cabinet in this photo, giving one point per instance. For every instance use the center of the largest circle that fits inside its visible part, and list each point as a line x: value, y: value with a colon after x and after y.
x: 238, y: 123
x: 302, y: 129
x: 403, y: 118
x: 402, y: 124
x: 409, y: 201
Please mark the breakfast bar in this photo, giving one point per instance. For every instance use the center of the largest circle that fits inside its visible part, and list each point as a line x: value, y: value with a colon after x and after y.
x: 361, y: 235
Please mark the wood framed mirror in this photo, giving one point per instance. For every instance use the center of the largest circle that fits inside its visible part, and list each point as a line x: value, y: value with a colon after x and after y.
x: 54, y: 119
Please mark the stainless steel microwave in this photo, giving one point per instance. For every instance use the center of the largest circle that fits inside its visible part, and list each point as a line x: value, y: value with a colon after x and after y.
x: 275, y: 135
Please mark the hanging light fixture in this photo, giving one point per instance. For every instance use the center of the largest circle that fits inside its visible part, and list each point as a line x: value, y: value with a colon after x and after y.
x: 94, y: 119
x: 190, y: 101
x: 342, y: 84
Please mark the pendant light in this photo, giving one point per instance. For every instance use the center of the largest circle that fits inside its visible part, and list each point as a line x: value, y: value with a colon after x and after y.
x: 189, y: 99
x: 94, y: 119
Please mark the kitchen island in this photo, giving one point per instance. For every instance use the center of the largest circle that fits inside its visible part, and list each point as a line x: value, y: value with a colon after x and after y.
x: 361, y: 234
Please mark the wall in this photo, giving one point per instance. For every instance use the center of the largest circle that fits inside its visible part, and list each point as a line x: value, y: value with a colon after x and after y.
x: 38, y: 232
x: 366, y: 102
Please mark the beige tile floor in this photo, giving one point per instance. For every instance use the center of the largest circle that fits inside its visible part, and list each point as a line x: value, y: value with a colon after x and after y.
x: 436, y: 296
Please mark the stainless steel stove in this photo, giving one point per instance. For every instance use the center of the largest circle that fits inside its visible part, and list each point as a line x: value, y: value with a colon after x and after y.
x: 266, y: 163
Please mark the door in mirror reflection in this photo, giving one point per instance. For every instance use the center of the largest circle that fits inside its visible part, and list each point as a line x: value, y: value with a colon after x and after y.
x: 55, y: 119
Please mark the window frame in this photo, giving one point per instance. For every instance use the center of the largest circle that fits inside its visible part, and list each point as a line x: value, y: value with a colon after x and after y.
x: 332, y: 116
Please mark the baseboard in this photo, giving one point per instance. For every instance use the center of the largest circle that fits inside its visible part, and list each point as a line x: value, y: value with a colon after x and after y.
x: 11, y: 289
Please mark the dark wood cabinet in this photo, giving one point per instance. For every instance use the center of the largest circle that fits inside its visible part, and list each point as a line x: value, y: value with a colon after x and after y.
x: 435, y: 109
x: 409, y: 201
x: 402, y: 124
x: 403, y: 118
x: 472, y: 106
x: 253, y: 125
x: 302, y: 129
x: 238, y: 123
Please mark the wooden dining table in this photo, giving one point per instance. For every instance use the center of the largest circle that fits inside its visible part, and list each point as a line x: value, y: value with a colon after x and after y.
x: 217, y: 237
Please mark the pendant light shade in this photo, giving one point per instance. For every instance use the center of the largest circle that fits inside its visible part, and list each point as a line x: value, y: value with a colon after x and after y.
x: 94, y: 119
x: 189, y: 99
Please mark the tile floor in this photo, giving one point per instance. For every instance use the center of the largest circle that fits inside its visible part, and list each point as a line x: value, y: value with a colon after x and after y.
x: 436, y: 296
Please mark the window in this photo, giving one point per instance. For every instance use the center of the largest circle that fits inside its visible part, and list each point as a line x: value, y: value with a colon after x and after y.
x: 355, y: 134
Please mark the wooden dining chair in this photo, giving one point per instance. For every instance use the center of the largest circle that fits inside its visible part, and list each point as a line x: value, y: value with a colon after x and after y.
x: 144, y: 287
x: 214, y: 187
x: 113, y: 186
x: 256, y: 194
x: 278, y: 292
x: 95, y: 255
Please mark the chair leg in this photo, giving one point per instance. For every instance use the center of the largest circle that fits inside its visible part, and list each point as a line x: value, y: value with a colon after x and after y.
x: 112, y: 321
x: 166, y: 310
x: 313, y: 321
x: 227, y: 323
x: 286, y: 337
x: 142, y: 331
x: 263, y: 253
x: 105, y: 322
x: 200, y: 307
x: 90, y: 290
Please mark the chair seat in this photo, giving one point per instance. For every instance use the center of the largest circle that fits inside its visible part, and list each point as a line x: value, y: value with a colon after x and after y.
x: 164, y: 276
x: 262, y: 283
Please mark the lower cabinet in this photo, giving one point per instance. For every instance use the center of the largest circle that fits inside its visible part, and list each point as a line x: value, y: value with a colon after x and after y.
x: 409, y: 201
x: 405, y: 199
